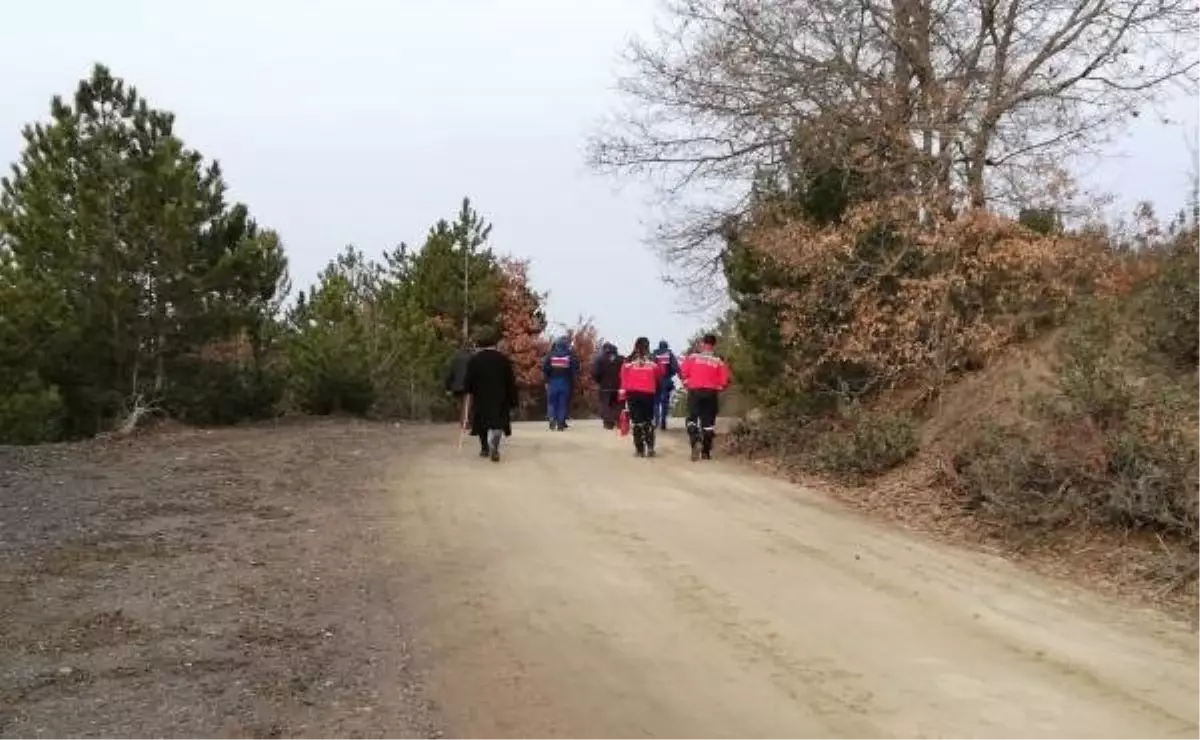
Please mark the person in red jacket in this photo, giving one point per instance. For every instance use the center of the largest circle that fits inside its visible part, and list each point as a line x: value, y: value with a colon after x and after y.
x: 704, y: 375
x: 640, y: 377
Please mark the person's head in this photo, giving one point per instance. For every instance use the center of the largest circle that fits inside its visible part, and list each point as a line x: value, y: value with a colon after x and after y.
x: 487, y: 337
x: 709, y: 340
x: 562, y: 343
x: 663, y: 346
x: 609, y: 348
x: 641, y: 347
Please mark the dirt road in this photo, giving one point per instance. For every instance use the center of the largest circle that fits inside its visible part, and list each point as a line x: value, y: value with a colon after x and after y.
x: 575, y: 590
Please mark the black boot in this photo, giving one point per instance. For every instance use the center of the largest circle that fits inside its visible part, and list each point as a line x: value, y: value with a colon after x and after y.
x: 639, y: 440
x: 650, y: 440
x: 694, y: 440
x: 706, y: 445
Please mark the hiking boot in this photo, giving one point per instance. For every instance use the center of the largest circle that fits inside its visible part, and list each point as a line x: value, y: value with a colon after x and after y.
x: 494, y: 455
x: 483, y: 453
x: 650, y: 452
x: 705, y: 455
x: 695, y: 451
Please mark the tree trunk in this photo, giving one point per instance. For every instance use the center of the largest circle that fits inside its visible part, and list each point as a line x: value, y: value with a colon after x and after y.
x: 975, y: 185
x: 159, y: 366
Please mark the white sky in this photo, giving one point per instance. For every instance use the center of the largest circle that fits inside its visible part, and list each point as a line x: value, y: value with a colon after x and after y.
x: 364, y: 122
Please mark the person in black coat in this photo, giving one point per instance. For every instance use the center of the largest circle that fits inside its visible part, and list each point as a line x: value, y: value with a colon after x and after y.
x: 606, y: 371
x: 491, y: 387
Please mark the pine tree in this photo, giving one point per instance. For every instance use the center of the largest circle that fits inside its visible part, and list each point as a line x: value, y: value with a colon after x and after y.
x: 331, y: 348
x: 108, y: 209
x: 454, y: 277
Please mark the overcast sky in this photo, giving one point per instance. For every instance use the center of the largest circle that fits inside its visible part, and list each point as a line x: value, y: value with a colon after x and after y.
x: 364, y: 122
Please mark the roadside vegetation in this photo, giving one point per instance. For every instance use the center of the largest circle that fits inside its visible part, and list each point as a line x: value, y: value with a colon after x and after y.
x: 926, y: 312
x: 132, y: 289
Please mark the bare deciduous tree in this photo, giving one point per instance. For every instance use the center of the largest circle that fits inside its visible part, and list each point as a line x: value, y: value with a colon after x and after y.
x: 963, y: 102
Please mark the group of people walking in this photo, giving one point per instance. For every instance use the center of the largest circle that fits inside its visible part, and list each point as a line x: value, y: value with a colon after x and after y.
x: 643, y: 382
x: 640, y: 384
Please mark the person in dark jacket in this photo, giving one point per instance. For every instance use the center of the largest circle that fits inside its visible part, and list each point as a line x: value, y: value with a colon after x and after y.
x: 560, y: 368
x: 669, y: 363
x: 606, y: 371
x: 491, y: 386
x: 456, y: 374
x: 456, y: 378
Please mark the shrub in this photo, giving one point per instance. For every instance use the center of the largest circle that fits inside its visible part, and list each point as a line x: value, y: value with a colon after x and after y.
x: 1116, y: 443
x: 1094, y: 372
x: 30, y: 412
x: 1011, y: 473
x: 1170, y: 303
x: 222, y: 392
x: 859, y: 443
x: 1153, y: 468
x: 870, y: 443
x: 331, y: 389
x: 883, y: 300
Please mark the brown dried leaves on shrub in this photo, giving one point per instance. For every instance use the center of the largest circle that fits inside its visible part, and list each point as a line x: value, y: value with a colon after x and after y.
x: 912, y: 301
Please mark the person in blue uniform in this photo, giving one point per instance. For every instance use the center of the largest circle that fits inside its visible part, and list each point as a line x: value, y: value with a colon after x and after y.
x: 669, y: 363
x: 560, y: 368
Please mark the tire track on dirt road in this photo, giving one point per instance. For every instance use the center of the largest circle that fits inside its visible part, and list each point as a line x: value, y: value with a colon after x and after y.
x: 574, y: 590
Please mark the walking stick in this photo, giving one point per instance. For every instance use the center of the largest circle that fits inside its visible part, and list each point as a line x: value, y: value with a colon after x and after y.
x: 462, y: 422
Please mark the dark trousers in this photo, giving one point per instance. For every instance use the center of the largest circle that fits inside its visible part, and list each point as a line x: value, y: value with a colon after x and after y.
x: 610, y: 408
x: 485, y: 439
x: 662, y: 404
x: 703, y: 406
x: 641, y: 419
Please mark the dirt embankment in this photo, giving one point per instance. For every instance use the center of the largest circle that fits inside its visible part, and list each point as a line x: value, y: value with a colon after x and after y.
x: 192, y: 583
